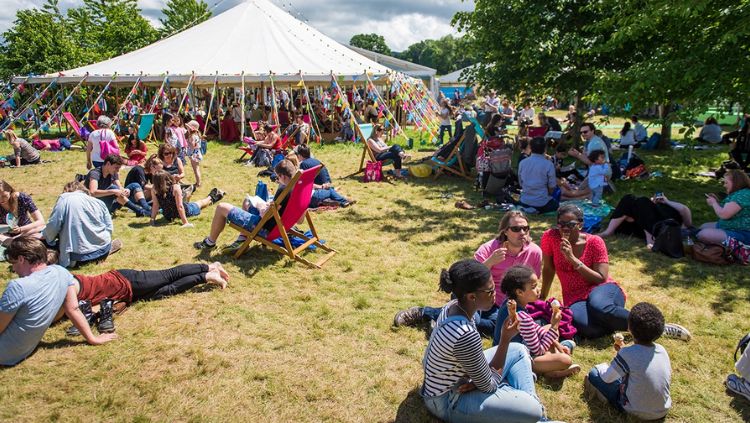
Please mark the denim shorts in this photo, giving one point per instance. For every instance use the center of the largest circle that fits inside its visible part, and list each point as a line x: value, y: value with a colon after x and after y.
x: 192, y: 209
x: 741, y: 236
x: 242, y: 218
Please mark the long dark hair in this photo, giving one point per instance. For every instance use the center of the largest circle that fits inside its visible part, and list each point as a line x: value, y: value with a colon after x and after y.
x: 163, y: 183
x: 625, y: 128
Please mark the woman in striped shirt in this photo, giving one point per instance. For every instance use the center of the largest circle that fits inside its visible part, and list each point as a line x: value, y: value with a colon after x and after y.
x: 549, y: 357
x: 462, y: 383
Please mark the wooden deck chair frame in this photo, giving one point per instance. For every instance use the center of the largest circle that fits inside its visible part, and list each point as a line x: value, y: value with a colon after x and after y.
x: 444, y: 165
x: 75, y: 128
x: 366, y: 150
x: 287, y: 249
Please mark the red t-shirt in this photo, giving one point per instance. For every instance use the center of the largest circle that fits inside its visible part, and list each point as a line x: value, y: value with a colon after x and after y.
x: 107, y: 285
x: 574, y: 287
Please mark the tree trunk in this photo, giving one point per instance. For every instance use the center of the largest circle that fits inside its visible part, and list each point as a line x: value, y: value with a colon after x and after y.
x: 666, y: 126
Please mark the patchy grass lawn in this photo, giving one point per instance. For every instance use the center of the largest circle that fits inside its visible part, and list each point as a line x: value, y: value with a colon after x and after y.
x: 285, y: 343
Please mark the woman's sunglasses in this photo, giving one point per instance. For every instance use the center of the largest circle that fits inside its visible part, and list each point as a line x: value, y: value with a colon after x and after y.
x: 519, y: 228
x: 570, y: 225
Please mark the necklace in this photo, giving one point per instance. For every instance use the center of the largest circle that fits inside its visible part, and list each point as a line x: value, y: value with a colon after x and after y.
x: 462, y: 309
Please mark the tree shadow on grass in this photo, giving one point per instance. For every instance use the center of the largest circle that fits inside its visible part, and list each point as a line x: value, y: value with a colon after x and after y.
x: 412, y: 409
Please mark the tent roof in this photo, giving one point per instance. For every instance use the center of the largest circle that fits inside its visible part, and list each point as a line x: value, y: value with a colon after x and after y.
x: 255, y: 36
x: 400, y: 65
x: 453, y: 77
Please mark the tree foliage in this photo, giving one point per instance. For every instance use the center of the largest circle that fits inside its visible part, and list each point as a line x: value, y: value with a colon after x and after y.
x: 182, y: 14
x: 372, y: 42
x: 445, y: 55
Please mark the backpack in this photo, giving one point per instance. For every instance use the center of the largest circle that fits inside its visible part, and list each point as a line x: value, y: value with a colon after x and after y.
x: 500, y: 162
x: 711, y: 253
x: 668, y: 238
x: 739, y: 250
x: 107, y: 147
x: 262, y: 158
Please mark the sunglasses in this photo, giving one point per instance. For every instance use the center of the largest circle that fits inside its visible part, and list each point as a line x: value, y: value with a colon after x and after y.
x: 570, y: 225
x: 585, y: 132
x: 519, y: 228
x: 168, y: 154
x: 488, y: 291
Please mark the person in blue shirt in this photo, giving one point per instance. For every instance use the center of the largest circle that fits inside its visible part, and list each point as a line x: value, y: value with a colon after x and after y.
x: 32, y: 302
x: 537, y: 177
x: 324, y: 193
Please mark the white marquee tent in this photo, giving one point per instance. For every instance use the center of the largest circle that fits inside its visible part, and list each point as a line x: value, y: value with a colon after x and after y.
x: 256, y: 38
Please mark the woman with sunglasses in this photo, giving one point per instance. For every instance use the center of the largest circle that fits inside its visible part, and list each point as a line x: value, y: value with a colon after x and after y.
x: 171, y: 164
x: 383, y: 152
x: 500, y: 383
x: 581, y: 263
x: 511, y: 246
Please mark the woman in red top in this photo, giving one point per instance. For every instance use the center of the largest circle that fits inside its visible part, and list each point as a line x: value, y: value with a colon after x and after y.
x: 581, y: 262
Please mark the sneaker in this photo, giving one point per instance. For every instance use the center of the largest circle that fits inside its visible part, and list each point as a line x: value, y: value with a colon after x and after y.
x: 349, y: 203
x: 409, y: 317
x: 738, y: 385
x: 115, y: 246
x: 216, y: 195
x: 675, y: 331
x: 571, y: 344
x: 106, y: 323
x: 203, y: 245
x: 91, y: 317
x: 591, y: 392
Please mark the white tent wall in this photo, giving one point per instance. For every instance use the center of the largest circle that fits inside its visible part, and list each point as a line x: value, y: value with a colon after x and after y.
x: 255, y: 37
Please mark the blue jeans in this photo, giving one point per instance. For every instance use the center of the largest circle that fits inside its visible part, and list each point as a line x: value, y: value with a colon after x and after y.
x: 394, y: 153
x: 552, y: 205
x: 602, y: 313
x: 611, y: 391
x: 741, y: 236
x: 484, y: 320
x: 191, y: 209
x: 326, y: 194
x: 242, y: 218
x: 111, y: 200
x: 502, y: 314
x: 514, y: 400
x: 443, y: 129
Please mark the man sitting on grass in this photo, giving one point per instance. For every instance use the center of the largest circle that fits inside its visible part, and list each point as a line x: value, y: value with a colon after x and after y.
x: 324, y: 194
x: 104, y: 184
x: 32, y: 302
x: 247, y: 217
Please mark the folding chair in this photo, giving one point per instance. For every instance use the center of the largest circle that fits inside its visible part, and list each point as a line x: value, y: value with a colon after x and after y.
x: 74, y: 127
x: 455, y: 156
x: 299, y: 191
x: 146, y: 127
x: 364, y: 131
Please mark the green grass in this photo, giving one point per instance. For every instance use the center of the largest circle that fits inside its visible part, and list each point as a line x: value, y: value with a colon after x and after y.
x: 285, y: 343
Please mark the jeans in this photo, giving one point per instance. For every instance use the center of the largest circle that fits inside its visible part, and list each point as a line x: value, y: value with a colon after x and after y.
x: 602, y: 313
x: 155, y: 284
x: 741, y: 236
x: 111, y: 200
x: 393, y: 153
x: 444, y: 128
x: 596, y: 197
x: 485, y: 320
x: 514, y: 400
x: 81, y: 259
x: 611, y: 391
x: 552, y: 205
x: 326, y: 194
x: 245, y: 219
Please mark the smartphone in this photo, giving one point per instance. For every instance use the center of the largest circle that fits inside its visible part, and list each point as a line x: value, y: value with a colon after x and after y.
x: 659, y: 195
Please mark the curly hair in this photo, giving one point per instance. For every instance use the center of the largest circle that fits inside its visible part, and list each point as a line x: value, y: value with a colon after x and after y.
x: 645, y: 322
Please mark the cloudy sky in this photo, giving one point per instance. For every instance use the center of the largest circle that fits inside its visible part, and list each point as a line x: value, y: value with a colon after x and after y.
x: 402, y: 23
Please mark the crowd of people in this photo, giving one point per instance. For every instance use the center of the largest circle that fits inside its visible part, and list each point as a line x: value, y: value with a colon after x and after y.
x: 502, y: 293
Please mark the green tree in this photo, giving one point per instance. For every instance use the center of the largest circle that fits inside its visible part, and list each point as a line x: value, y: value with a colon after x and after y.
x: 39, y: 42
x: 182, y: 14
x: 444, y: 55
x: 535, y: 47
x: 672, y: 53
x: 372, y: 42
x: 111, y: 27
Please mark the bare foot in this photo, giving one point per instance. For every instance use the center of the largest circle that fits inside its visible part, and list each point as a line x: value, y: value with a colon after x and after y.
x: 214, y: 278
x: 574, y: 369
x: 218, y: 267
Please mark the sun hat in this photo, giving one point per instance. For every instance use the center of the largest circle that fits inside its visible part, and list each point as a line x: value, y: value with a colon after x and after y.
x: 194, y: 125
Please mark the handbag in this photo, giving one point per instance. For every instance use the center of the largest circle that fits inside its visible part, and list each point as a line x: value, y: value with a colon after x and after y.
x: 711, y: 253
x: 668, y: 238
x: 107, y: 147
x: 373, y: 172
x: 739, y: 250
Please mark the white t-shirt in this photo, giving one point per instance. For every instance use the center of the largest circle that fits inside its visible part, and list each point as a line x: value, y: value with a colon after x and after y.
x: 527, y: 113
x: 491, y: 101
x: 628, y: 138
x: 96, y: 137
x: 445, y: 117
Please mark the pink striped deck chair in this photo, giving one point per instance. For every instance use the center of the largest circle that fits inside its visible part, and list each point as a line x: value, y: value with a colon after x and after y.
x: 74, y: 127
x: 299, y: 191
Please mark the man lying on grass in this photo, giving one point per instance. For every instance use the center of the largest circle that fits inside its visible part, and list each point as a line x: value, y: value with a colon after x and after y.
x: 32, y: 302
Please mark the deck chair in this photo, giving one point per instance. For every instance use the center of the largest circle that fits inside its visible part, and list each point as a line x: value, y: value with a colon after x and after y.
x: 146, y: 127
x: 455, y: 157
x: 299, y: 191
x: 75, y: 128
x: 364, y: 131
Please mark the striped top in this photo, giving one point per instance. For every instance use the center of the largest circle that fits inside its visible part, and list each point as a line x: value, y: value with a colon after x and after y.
x: 454, y: 356
x: 537, y: 339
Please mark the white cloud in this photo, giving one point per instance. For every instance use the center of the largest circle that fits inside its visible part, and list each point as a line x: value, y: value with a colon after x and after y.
x: 401, y: 23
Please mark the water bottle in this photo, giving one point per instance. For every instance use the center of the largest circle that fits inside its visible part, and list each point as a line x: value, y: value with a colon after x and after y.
x: 11, y: 221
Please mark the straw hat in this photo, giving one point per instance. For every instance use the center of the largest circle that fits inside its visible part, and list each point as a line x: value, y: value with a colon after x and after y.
x: 193, y: 125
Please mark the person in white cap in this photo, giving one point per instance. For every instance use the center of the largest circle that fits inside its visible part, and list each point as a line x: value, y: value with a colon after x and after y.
x: 193, y: 136
x: 102, y: 135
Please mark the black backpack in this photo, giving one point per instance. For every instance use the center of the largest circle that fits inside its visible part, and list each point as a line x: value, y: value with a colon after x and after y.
x: 668, y: 238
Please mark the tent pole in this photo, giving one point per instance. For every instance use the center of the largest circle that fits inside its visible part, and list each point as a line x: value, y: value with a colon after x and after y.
x: 157, y: 94
x: 210, y: 104
x: 242, y: 108
x: 130, y: 94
